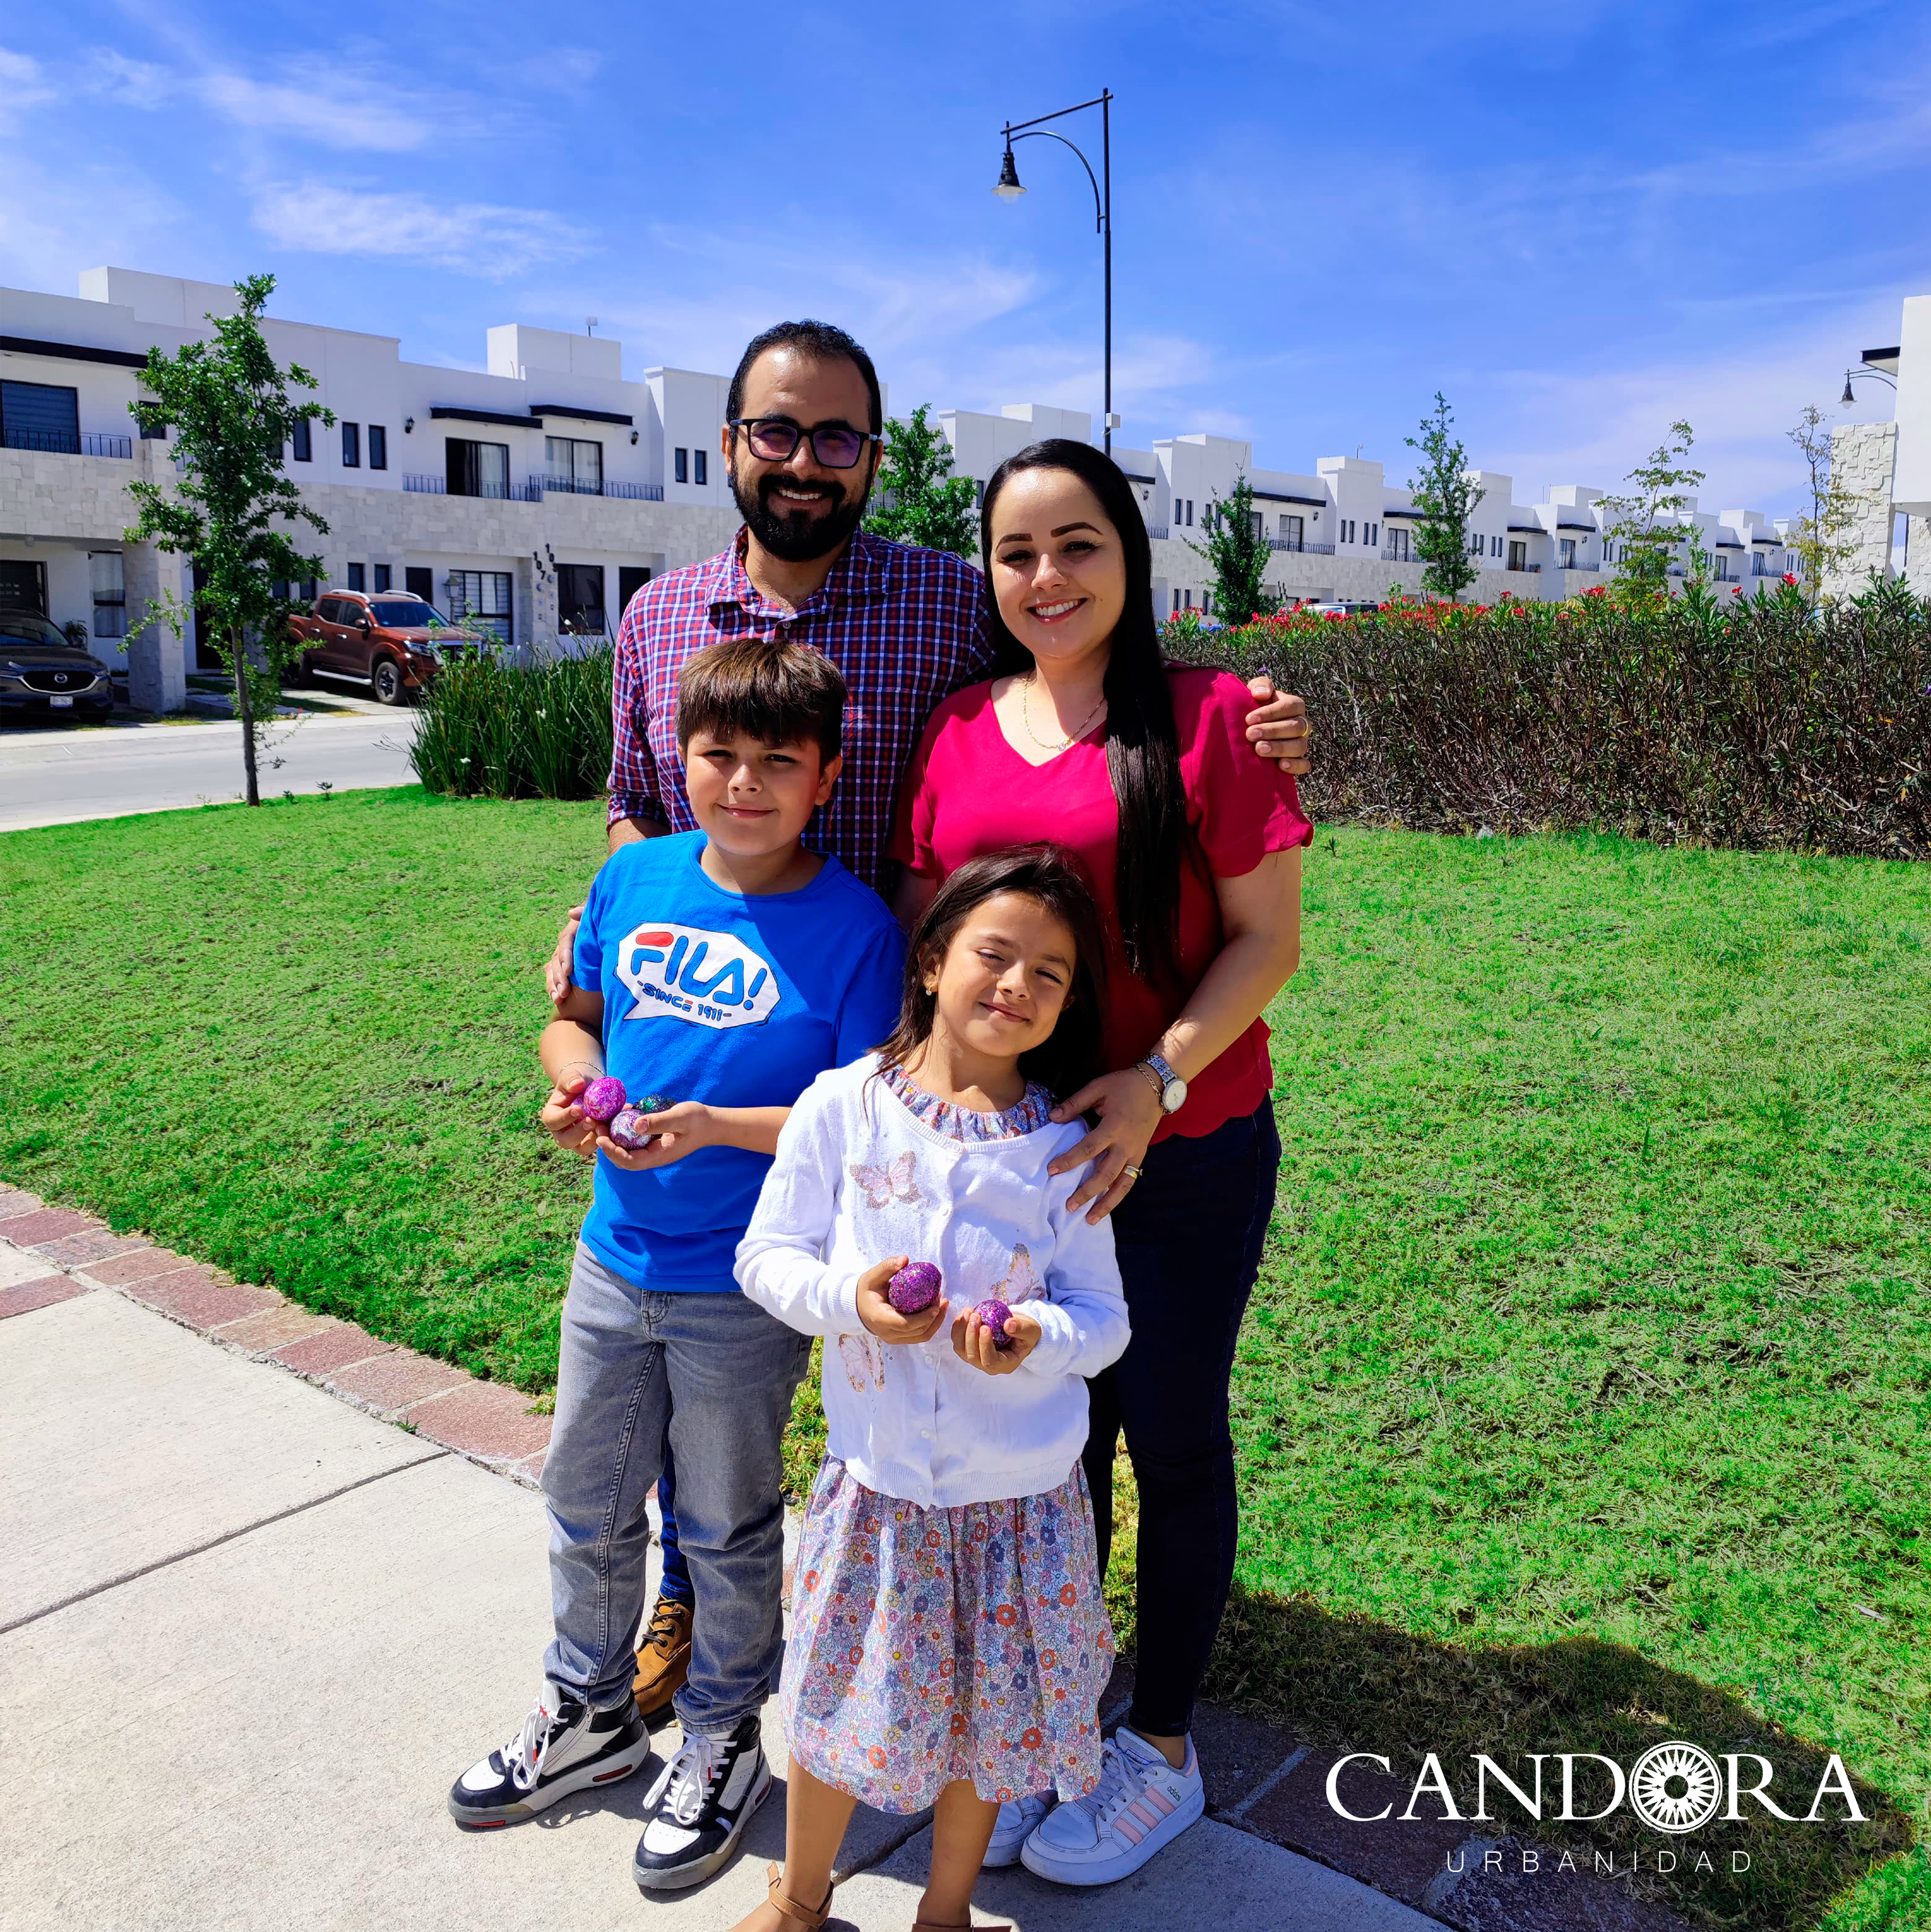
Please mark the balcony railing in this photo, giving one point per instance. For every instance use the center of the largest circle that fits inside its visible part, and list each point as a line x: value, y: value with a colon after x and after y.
x: 1393, y: 553
x: 425, y: 486
x: 1300, y: 544
x: 64, y: 443
x: 1531, y: 567
x: 1157, y: 532
x: 570, y: 486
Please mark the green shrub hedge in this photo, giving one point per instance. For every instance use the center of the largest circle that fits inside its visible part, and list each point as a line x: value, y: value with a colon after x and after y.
x: 488, y: 728
x: 1747, y: 723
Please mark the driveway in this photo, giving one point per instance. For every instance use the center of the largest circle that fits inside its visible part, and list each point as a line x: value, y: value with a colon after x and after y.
x: 57, y: 777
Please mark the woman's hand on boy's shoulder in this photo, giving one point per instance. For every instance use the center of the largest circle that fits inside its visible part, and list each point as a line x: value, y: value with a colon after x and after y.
x: 973, y: 1343
x: 881, y: 1319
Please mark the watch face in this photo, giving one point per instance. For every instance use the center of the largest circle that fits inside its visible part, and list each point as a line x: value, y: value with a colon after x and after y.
x: 1174, y: 1097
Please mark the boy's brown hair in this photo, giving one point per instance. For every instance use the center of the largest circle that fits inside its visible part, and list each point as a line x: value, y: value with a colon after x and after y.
x: 758, y: 688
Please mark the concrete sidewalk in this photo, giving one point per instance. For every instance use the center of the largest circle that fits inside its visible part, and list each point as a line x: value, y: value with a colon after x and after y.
x: 249, y: 1634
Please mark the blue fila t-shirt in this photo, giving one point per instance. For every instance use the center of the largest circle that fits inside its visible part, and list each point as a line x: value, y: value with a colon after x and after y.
x: 742, y: 1002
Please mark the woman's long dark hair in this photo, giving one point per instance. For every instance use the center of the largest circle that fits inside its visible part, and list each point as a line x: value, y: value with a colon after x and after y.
x: 1069, y: 1056
x: 1142, y: 744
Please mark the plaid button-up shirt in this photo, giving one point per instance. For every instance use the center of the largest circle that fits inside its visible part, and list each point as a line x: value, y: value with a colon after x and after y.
x: 906, y: 627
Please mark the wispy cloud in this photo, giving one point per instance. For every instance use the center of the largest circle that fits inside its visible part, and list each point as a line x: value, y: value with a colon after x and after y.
x: 476, y: 237
x: 23, y: 87
x: 376, y: 116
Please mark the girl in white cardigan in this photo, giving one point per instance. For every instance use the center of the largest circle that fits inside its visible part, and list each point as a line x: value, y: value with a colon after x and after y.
x: 949, y: 1641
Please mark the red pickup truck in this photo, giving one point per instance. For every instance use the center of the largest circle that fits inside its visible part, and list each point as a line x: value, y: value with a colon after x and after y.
x: 394, y: 644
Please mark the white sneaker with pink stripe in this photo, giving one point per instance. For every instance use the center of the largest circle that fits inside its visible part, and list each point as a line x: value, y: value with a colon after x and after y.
x: 1140, y: 1804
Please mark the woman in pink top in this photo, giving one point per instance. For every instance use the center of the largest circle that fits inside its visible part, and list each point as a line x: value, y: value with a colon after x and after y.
x: 1089, y: 739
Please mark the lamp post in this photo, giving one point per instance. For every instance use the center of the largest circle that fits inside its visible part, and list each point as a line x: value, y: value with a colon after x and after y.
x: 1009, y: 189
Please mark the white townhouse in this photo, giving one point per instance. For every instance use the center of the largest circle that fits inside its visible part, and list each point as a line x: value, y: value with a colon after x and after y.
x: 1887, y: 465
x: 534, y: 497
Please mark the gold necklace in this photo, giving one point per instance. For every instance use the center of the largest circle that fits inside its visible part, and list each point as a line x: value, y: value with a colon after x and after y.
x: 1066, y: 744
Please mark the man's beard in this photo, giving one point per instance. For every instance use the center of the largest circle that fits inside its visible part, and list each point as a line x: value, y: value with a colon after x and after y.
x: 795, y: 536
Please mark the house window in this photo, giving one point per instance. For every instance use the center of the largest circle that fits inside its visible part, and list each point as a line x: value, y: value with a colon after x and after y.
x: 352, y: 445
x: 378, y: 447
x: 1518, y: 554
x: 108, y: 572
x: 481, y: 598
x: 680, y: 466
x: 1291, y: 528
x: 574, y: 465
x: 579, y: 599
x: 1176, y: 600
x: 153, y: 425
x: 1260, y: 523
x: 305, y: 449
x: 382, y: 577
x: 703, y: 474
x: 477, y: 468
x: 41, y: 416
x: 357, y: 574
x: 1398, y: 545
x: 1569, y: 552
x: 419, y: 581
x: 631, y: 578
x: 1190, y: 513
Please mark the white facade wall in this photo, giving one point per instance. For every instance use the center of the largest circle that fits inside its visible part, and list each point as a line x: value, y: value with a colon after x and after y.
x: 540, y: 384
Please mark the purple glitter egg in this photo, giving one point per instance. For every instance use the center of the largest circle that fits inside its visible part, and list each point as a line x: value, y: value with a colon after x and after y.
x: 915, y: 1287
x: 995, y: 1314
x: 628, y: 1130
x: 603, y: 1098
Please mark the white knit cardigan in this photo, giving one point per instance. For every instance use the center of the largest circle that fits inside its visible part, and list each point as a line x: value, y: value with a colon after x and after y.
x: 858, y: 1178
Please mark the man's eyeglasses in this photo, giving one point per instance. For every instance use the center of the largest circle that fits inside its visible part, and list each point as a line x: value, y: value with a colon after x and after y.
x: 775, y: 439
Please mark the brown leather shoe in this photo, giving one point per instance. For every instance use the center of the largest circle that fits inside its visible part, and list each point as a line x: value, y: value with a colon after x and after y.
x: 664, y: 1657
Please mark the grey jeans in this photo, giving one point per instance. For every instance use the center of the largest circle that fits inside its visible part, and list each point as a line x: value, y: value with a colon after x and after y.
x: 722, y: 1373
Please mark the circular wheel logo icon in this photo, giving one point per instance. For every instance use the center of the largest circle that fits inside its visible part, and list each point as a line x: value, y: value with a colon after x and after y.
x: 1675, y: 1787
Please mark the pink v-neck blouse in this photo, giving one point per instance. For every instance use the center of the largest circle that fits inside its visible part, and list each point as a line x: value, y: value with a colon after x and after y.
x: 968, y: 792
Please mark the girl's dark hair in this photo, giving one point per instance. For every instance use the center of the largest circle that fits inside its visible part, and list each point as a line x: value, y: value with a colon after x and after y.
x: 1143, y: 745
x: 1069, y: 1057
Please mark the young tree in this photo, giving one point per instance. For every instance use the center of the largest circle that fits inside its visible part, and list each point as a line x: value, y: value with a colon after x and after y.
x: 918, y: 500
x: 1237, y: 550
x: 1445, y: 495
x: 1646, y: 522
x: 1825, y: 542
x: 231, y: 411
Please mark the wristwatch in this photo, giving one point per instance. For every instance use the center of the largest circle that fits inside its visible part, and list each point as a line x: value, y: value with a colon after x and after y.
x: 1172, y: 1088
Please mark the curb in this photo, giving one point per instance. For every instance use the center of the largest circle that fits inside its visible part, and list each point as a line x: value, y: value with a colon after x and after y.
x: 1260, y: 1778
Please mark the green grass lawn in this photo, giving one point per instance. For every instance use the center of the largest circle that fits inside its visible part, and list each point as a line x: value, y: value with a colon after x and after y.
x: 1584, y: 1402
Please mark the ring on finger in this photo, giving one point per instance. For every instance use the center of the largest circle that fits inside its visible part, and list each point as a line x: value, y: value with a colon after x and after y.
x: 1131, y: 1172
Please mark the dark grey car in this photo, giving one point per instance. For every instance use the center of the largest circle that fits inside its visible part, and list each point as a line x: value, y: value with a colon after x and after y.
x: 45, y: 677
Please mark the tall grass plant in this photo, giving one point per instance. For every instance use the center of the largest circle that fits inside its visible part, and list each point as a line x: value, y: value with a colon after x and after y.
x: 488, y: 728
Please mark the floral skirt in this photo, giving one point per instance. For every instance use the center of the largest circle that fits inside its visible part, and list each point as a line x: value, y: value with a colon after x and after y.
x: 929, y: 1645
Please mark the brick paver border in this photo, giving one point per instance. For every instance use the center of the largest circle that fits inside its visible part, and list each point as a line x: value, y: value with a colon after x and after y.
x: 1260, y: 1777
x: 73, y: 1253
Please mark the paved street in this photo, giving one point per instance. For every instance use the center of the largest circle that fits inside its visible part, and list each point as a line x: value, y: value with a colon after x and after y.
x: 55, y: 777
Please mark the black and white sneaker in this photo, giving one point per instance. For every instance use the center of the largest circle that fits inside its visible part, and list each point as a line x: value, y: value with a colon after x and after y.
x: 697, y: 1808
x: 564, y: 1746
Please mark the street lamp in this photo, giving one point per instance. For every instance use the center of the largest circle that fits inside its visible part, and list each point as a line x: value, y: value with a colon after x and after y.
x: 1862, y: 376
x: 1009, y: 189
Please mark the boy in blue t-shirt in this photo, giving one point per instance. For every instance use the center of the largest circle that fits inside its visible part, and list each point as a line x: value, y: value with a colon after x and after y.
x: 723, y: 969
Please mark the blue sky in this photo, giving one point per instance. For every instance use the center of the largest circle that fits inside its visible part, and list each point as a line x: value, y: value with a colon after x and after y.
x: 1580, y: 221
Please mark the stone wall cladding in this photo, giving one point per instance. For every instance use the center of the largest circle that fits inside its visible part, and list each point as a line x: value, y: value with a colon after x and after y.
x: 1863, y: 458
